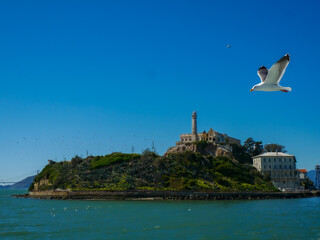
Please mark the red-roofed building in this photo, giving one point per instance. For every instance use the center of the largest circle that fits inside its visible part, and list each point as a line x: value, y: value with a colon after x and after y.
x: 302, y: 173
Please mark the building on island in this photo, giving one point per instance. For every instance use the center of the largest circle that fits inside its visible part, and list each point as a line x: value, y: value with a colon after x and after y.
x: 210, y: 136
x: 302, y: 173
x: 281, y: 168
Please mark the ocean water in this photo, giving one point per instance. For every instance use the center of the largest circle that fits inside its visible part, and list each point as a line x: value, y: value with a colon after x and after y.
x: 60, y: 219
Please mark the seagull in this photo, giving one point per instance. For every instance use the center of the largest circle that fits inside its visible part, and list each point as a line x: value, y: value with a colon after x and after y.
x: 228, y: 46
x: 270, y: 78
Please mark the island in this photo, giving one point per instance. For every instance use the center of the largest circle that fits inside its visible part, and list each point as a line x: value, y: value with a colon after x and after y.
x: 189, y: 172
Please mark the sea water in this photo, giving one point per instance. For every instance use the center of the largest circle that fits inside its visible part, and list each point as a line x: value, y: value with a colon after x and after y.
x: 231, y: 219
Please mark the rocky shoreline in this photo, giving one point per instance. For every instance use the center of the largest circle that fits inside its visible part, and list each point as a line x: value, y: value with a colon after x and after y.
x: 164, y: 195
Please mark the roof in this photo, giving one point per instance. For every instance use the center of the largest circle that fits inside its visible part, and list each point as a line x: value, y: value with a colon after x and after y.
x: 303, y: 170
x: 274, y: 154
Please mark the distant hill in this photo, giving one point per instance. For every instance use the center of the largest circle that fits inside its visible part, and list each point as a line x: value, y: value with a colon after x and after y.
x: 312, y: 175
x: 23, y: 184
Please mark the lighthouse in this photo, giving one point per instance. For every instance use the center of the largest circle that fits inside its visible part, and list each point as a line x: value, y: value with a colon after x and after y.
x: 194, y: 135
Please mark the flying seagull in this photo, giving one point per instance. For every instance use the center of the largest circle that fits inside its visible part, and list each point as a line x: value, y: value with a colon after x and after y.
x: 270, y: 78
x: 228, y: 46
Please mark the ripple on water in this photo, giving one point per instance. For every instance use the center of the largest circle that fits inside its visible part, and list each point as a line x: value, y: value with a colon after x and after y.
x: 265, y: 219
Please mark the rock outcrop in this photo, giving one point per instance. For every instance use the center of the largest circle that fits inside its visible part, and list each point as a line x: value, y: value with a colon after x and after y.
x: 203, y: 148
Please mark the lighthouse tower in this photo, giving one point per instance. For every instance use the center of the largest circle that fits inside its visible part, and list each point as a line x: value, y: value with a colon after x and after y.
x: 194, y: 135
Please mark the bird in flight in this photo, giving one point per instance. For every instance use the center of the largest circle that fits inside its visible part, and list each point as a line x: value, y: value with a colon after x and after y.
x: 270, y: 78
x: 228, y: 46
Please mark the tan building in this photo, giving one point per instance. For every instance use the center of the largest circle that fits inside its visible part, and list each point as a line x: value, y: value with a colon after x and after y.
x: 210, y: 136
x: 281, y: 168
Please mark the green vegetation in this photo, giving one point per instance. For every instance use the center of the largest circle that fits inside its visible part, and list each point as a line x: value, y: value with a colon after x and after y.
x: 274, y: 147
x: 183, y: 171
x: 249, y: 149
x: 104, y: 161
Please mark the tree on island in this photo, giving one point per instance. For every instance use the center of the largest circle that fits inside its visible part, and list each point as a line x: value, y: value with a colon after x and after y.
x: 252, y: 147
x: 274, y: 147
x: 249, y: 149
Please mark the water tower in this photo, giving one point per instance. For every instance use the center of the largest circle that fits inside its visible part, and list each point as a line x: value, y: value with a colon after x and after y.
x: 317, y: 181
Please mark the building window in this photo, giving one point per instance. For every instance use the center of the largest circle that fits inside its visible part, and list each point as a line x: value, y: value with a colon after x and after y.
x: 285, y: 173
x: 269, y: 166
x: 264, y: 167
x: 290, y: 166
x: 274, y: 160
x: 285, y: 166
x: 264, y: 160
x: 269, y: 159
x: 275, y: 167
x: 280, y: 166
x: 289, y: 159
x: 279, y: 159
x: 284, y: 160
x: 290, y: 173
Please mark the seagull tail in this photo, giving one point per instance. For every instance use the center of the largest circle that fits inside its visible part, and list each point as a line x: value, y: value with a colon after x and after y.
x: 285, y: 89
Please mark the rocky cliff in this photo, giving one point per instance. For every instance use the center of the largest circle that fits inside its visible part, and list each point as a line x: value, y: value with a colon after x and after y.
x: 203, y: 148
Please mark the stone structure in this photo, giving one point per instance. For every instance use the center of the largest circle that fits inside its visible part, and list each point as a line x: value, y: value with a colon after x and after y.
x: 281, y: 168
x: 194, y: 135
x: 210, y: 136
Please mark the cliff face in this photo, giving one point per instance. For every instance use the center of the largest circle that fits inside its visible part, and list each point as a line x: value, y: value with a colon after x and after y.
x: 175, y: 171
x: 204, y: 148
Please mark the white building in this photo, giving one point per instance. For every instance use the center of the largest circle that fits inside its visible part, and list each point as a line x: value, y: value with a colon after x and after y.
x: 281, y: 168
x: 302, y: 174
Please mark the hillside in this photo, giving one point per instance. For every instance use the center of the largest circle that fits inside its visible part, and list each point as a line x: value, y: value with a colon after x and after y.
x: 312, y: 175
x: 23, y: 184
x: 181, y: 171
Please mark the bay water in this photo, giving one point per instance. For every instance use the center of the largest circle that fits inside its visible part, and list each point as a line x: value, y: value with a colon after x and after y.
x: 231, y: 219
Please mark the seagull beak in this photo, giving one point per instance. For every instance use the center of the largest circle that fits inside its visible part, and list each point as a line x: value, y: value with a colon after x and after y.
x: 251, y: 90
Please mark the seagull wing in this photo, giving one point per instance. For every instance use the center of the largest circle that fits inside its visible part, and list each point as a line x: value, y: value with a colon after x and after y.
x: 262, y: 73
x: 277, y: 70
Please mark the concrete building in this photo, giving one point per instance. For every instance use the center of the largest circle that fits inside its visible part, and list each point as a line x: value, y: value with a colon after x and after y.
x: 281, y: 168
x: 210, y: 136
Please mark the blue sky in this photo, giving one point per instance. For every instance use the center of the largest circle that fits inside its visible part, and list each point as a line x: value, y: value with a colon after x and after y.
x: 103, y: 76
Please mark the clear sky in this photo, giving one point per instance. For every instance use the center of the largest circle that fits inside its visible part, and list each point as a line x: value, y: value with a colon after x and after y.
x: 103, y: 76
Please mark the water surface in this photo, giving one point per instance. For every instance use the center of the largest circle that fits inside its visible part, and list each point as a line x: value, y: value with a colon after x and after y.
x: 231, y: 219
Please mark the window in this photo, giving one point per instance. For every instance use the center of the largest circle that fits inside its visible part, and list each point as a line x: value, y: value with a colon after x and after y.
x: 279, y: 159
x: 285, y: 166
x: 269, y: 166
x: 290, y: 173
x: 274, y: 160
x: 280, y: 166
x: 284, y: 160
x: 290, y: 166
x: 269, y: 159
x: 264, y: 167
x: 275, y: 167
x: 264, y: 160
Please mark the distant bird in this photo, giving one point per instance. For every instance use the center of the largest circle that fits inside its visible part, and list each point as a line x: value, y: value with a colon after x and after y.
x: 228, y: 46
x: 270, y: 79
